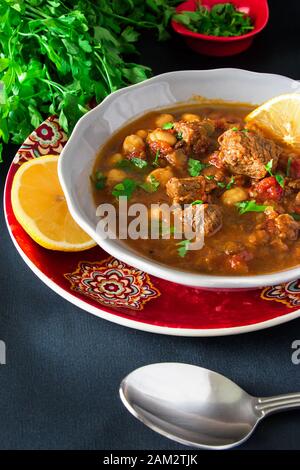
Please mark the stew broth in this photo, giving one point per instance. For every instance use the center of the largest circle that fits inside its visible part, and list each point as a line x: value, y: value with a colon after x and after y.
x: 238, y: 165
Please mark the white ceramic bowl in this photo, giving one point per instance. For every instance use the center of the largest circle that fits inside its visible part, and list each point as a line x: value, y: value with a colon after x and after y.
x: 93, y: 129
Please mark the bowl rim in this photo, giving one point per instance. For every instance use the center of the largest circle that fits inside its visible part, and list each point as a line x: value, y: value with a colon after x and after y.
x: 150, y: 266
x: 184, y: 31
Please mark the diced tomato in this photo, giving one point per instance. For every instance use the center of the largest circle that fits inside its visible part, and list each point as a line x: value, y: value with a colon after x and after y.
x: 268, y: 188
x: 295, y: 168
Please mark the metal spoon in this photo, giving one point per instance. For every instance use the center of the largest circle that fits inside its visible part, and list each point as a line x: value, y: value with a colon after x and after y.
x: 196, y: 406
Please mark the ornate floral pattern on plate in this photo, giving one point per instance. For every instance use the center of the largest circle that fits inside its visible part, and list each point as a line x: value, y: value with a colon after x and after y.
x: 48, y: 138
x: 111, y: 282
x: 288, y: 294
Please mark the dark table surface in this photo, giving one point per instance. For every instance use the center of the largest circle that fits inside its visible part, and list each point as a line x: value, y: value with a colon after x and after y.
x: 59, y: 388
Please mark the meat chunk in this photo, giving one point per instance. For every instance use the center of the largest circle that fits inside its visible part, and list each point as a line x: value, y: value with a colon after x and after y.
x: 187, y: 190
x: 193, y: 136
x: 210, y: 215
x: 286, y: 227
x: 281, y: 226
x: 292, y: 184
x: 247, y: 153
x: 212, y: 219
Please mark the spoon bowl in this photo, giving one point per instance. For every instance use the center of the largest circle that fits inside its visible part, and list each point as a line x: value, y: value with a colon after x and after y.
x: 196, y: 406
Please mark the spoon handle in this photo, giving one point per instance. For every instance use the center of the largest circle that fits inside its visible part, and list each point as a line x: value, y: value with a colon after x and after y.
x: 267, y: 405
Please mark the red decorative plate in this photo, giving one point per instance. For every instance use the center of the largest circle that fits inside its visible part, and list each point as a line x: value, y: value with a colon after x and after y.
x: 106, y: 287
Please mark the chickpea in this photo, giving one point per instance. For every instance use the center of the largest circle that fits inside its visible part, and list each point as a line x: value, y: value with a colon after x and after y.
x: 115, y: 158
x: 115, y: 176
x: 163, y: 119
x: 133, y: 143
x: 142, y: 133
x: 162, y: 175
x: 234, y: 195
x: 190, y: 117
x: 163, y: 136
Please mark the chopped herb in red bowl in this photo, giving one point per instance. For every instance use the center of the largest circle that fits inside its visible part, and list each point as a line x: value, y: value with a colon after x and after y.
x: 222, y: 19
x: 220, y: 28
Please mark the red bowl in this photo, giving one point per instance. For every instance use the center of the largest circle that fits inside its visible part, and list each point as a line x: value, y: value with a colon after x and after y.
x: 220, y: 46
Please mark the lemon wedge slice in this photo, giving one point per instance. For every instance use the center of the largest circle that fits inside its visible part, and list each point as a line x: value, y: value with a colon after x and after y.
x: 40, y: 207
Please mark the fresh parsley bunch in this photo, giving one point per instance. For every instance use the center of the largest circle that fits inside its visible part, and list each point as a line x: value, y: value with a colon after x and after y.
x: 60, y: 57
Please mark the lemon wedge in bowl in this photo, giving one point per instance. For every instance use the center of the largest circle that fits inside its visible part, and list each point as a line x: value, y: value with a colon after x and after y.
x: 279, y: 118
x: 40, y: 207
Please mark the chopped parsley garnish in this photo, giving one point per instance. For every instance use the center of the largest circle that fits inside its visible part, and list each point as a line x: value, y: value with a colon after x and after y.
x: 126, y: 164
x: 231, y: 183
x: 195, y: 166
x: 183, y: 247
x: 210, y: 177
x: 155, y: 161
x: 249, y: 206
x: 179, y: 136
x: 288, y: 167
x: 150, y: 186
x: 126, y: 188
x: 295, y: 216
x: 245, y: 131
x: 269, y: 167
x: 168, y: 125
x: 99, y: 180
x: 222, y: 19
x: 221, y: 184
x: 198, y: 201
x: 279, y: 178
x: 139, y: 162
x: 234, y: 129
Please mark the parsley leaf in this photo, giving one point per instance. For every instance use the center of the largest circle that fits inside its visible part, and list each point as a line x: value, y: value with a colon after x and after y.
x: 179, y: 136
x: 295, y: 216
x: 155, y: 161
x: 279, y: 178
x: 230, y: 183
x: 249, y: 206
x: 269, y: 167
x: 139, y: 162
x: 168, y: 125
x: 195, y: 166
x: 197, y: 201
x: 183, y: 247
x: 125, y: 188
x: 132, y: 164
x: 98, y: 180
x: 150, y: 186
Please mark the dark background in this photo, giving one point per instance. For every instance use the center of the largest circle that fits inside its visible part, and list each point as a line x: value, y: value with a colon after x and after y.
x: 59, y: 388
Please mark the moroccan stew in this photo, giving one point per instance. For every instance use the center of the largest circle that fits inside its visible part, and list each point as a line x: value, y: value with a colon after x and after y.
x: 248, y: 185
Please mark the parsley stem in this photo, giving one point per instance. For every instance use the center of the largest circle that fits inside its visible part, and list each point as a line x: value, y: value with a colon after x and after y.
x: 145, y: 24
x: 103, y: 63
